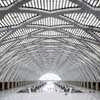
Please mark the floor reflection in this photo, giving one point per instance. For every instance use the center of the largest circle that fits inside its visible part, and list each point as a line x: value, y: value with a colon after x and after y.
x: 48, y: 92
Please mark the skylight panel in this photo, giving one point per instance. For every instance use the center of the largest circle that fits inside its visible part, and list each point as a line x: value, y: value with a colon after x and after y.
x: 27, y: 41
x: 50, y: 21
x: 9, y: 2
x: 78, y: 32
x: 95, y: 46
x: 3, y: 47
x: 98, y: 33
x: 84, y: 18
x: 12, y: 19
x: 50, y: 33
x: 50, y: 40
x: 93, y: 3
x: 50, y: 5
x: 21, y: 32
x: 64, y: 3
x: 98, y: 3
x: 70, y: 3
x: 2, y: 33
x: 72, y: 40
x: 39, y: 4
x: 6, y: 3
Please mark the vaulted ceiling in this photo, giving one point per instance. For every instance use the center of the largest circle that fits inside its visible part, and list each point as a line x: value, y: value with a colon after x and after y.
x: 57, y: 36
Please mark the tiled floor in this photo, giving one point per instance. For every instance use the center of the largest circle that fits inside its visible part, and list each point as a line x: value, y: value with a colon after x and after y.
x: 12, y: 95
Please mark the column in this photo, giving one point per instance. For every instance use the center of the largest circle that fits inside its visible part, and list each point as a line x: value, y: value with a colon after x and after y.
x: 84, y: 84
x: 0, y: 85
x: 12, y: 85
x: 8, y: 85
x: 88, y: 85
x: 94, y: 85
x: 3, y: 85
x: 91, y: 85
x: 97, y: 86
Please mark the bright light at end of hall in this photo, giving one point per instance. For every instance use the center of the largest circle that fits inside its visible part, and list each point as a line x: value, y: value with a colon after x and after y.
x: 50, y: 76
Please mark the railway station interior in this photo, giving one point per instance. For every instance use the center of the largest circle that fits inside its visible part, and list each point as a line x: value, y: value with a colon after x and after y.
x: 49, y: 49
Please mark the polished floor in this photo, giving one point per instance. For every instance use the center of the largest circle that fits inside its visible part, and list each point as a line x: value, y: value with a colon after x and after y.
x: 52, y: 93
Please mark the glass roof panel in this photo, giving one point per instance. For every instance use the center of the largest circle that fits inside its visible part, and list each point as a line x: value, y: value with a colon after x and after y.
x: 21, y: 32
x: 4, y: 47
x: 50, y: 21
x: 5, y: 3
x: 98, y: 34
x: 13, y: 19
x: 50, y: 5
x: 78, y: 32
x: 51, y: 33
x: 26, y: 41
x: 95, y: 47
x: 72, y: 41
x: 84, y: 18
x: 50, y: 40
x: 2, y: 33
x: 93, y: 3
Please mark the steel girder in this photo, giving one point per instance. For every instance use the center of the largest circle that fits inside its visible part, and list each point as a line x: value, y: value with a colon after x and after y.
x: 84, y: 48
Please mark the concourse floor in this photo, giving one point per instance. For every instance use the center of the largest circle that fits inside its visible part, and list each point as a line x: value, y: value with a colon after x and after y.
x: 49, y: 95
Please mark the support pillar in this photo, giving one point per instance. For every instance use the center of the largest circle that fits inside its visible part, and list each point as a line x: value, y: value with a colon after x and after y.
x: 3, y: 85
x: 81, y: 84
x: 18, y: 84
x: 12, y: 85
x: 8, y: 85
x: 84, y: 84
x: 0, y: 86
x: 15, y: 84
x: 88, y: 85
x: 97, y: 86
x: 94, y: 85
x: 91, y: 85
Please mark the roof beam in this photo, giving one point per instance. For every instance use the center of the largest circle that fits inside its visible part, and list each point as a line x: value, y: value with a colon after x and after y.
x: 22, y: 25
x: 85, y: 28
x: 6, y: 35
x: 7, y: 49
x: 86, y: 7
x: 70, y: 35
x: 39, y: 11
x: 32, y: 36
x: 56, y: 13
x: 93, y: 50
x: 80, y: 48
x: 13, y: 7
x: 50, y: 27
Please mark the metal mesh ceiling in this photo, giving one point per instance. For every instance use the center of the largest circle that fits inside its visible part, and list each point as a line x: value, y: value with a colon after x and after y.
x: 56, y: 36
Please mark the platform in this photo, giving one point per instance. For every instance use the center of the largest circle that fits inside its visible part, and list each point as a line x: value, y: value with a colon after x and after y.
x: 14, y: 95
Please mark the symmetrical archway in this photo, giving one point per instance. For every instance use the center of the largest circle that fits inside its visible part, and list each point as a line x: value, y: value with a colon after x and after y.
x: 61, y: 36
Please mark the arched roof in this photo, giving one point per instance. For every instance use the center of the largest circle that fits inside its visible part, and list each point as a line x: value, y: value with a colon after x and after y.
x: 58, y: 36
